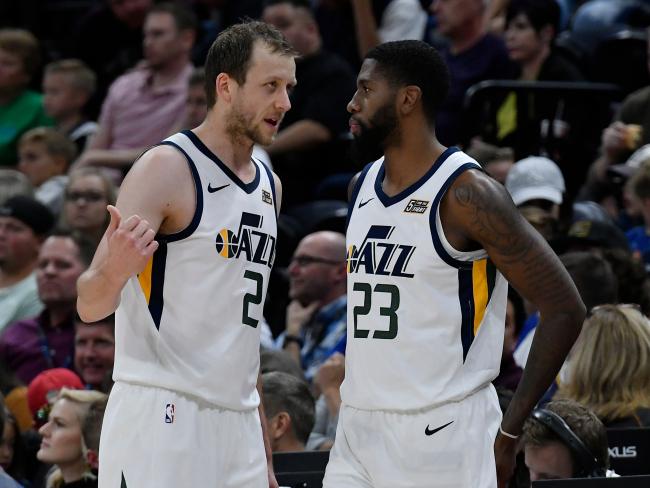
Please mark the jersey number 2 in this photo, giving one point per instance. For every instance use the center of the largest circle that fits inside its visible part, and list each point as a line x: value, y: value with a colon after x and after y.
x: 389, y: 312
x: 254, y: 298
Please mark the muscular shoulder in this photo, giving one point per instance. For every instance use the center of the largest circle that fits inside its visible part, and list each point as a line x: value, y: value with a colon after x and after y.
x: 476, y: 208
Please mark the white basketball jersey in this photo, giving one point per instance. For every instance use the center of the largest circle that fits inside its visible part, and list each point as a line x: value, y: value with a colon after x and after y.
x: 425, y: 321
x: 190, y: 321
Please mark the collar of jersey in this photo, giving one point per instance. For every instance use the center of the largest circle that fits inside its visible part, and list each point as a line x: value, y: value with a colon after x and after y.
x: 247, y: 187
x: 388, y: 201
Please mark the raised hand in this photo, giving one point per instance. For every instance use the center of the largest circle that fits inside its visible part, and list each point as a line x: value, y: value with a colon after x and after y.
x: 130, y: 244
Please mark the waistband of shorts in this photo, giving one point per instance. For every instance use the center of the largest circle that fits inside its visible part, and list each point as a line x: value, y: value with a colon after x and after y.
x: 202, y: 403
x: 427, y: 408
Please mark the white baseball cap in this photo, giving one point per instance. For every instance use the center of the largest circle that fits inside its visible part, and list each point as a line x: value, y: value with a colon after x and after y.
x: 535, y: 178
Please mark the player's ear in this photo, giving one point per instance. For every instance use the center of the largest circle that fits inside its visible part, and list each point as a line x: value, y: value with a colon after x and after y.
x: 224, y: 85
x: 283, y: 424
x: 409, y: 98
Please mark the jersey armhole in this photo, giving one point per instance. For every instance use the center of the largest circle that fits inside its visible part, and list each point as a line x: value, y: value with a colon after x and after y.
x: 269, y: 173
x: 198, y: 211
x: 437, y: 242
x: 355, y: 192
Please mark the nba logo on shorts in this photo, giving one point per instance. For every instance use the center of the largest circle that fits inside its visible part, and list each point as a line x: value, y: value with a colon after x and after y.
x: 169, y: 413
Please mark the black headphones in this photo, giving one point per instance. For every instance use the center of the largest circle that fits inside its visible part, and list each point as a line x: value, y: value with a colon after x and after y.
x: 588, y: 464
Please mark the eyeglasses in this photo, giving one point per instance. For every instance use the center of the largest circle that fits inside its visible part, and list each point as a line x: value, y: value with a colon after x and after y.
x: 305, y: 260
x: 88, y: 196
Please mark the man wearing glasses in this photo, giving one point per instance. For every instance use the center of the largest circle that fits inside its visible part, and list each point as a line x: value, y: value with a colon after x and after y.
x: 315, y: 323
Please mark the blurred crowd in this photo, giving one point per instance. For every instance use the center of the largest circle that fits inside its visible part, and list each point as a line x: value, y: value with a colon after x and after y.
x: 552, y: 97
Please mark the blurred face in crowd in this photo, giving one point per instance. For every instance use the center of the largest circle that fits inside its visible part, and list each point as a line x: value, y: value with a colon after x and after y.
x: 314, y: 270
x: 59, y: 267
x: 197, y: 105
x: 453, y: 15
x: 163, y: 42
x: 7, y: 445
x: 60, y: 97
x: 94, y: 352
x: 550, y: 461
x: 523, y: 42
x: 295, y: 23
x: 12, y: 72
x: 85, y: 203
x: 61, y: 435
x: 18, y: 244
x: 259, y: 104
x: 374, y: 118
x: 37, y: 164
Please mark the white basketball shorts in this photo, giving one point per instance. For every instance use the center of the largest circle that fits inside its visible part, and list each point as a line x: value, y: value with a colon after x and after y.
x: 449, y: 446
x: 156, y: 438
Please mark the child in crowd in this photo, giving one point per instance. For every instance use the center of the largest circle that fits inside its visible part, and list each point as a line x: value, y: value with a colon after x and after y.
x: 44, y: 156
x: 67, y: 86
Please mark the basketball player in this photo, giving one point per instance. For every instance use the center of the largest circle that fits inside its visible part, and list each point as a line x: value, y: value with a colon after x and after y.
x: 185, y: 261
x: 432, y: 241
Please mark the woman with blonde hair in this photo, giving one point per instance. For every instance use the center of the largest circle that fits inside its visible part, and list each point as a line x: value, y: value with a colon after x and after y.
x: 63, y: 441
x: 609, y: 369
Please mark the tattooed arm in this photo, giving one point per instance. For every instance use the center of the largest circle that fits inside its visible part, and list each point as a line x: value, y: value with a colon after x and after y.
x: 478, y: 212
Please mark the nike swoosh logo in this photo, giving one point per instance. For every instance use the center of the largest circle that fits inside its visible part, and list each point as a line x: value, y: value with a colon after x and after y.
x: 433, y: 431
x: 212, y: 190
x: 361, y: 204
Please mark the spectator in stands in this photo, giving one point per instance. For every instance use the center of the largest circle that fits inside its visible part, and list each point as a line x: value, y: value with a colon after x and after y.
x: 94, y: 352
x: 633, y: 283
x: 328, y: 382
x: 272, y: 360
x: 24, y: 223
x: 316, y: 315
x: 309, y: 135
x: 596, y: 283
x: 471, y: 54
x: 44, y: 156
x: 289, y: 410
x: 537, y: 182
x: 609, y: 369
x: 12, y: 183
x: 351, y: 27
x: 510, y: 373
x: 63, y: 441
x: 20, y: 108
x: 12, y: 449
x: 549, y: 455
x: 15, y: 396
x: 531, y: 28
x: 88, y: 193
x: 629, y: 131
x: 46, y: 341
x: 109, y: 39
x: 143, y: 105
x: 67, y: 86
x: 6, y: 481
x: 639, y: 237
x: 43, y: 389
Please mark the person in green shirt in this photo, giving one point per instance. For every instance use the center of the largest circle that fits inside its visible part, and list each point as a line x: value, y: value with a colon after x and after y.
x: 20, y: 109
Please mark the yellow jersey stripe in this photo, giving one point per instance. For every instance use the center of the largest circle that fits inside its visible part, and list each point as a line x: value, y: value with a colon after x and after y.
x: 145, y: 280
x: 480, y: 288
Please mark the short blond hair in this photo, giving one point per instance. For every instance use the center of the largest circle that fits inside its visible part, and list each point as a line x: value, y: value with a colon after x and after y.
x: 56, y: 143
x: 80, y: 75
x: 23, y: 44
x: 609, y: 370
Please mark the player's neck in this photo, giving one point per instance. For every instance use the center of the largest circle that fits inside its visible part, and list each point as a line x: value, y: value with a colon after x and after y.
x: 236, y: 154
x: 409, y: 159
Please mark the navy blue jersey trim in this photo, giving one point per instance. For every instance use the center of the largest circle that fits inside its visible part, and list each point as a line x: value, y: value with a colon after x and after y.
x: 355, y: 192
x: 466, y: 298
x: 156, y: 301
x: 198, y: 211
x: 388, y: 201
x: 247, y: 187
x: 272, y: 183
x: 437, y: 244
